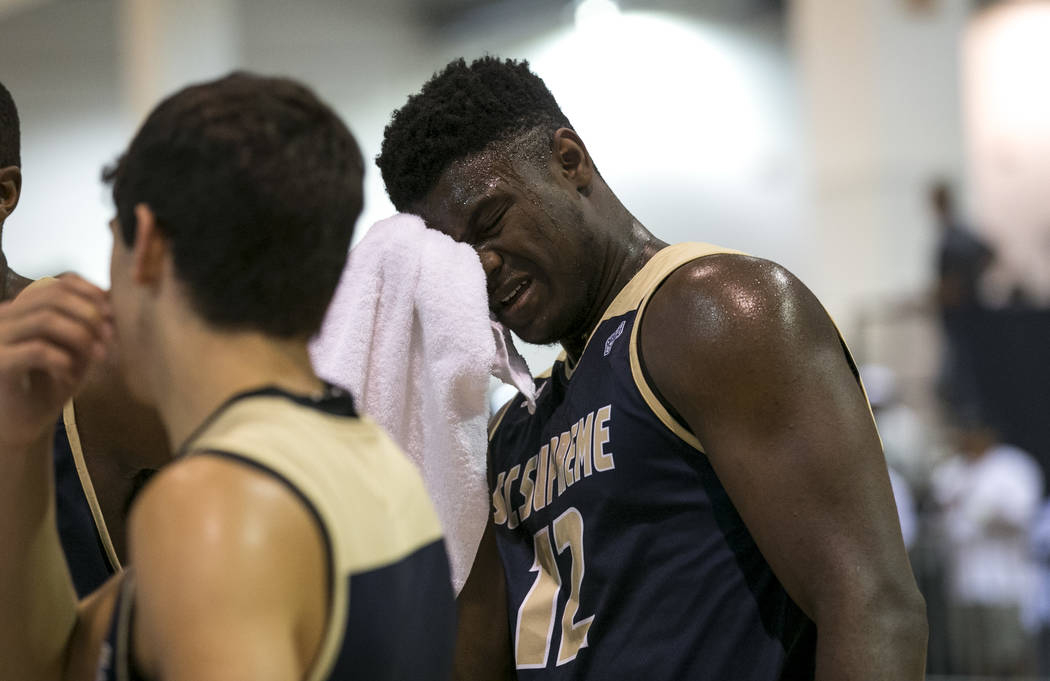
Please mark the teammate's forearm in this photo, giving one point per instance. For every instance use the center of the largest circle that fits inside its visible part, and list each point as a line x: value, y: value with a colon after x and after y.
x: 36, y: 593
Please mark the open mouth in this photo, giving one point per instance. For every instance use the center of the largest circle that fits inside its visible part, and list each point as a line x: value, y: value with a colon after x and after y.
x: 514, y: 294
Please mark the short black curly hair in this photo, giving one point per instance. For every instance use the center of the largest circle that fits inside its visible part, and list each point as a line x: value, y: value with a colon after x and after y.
x: 257, y: 183
x: 458, y: 112
x: 10, y: 146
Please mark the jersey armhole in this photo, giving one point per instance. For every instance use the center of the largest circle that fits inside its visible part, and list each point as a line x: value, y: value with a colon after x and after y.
x: 338, y: 594
x: 69, y: 421
x: 118, y: 654
x: 657, y: 403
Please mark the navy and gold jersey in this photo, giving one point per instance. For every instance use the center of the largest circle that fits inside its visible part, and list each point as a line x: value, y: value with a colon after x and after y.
x: 391, y: 609
x: 81, y: 527
x: 624, y: 556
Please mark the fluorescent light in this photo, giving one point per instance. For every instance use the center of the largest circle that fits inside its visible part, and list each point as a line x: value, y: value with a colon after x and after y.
x: 591, y: 13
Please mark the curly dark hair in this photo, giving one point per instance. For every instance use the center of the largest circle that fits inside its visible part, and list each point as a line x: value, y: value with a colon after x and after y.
x: 257, y: 184
x: 10, y: 147
x: 458, y: 112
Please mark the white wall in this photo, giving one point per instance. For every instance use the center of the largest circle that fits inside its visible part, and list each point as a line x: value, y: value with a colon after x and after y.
x: 1007, y: 106
x: 695, y: 125
x: 706, y: 131
x: 80, y: 100
x: 880, y: 86
x: 60, y: 63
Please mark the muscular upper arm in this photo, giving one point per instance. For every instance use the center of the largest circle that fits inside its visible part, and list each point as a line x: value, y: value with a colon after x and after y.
x: 749, y: 358
x: 230, y: 575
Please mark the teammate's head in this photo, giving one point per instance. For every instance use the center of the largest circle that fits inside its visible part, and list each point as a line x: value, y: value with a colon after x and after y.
x: 459, y: 112
x: 9, y: 131
x: 255, y: 185
x: 10, y: 155
x: 485, y: 154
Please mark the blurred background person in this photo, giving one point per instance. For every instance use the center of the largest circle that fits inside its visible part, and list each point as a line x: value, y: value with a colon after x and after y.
x: 907, y: 440
x: 989, y: 494
x: 1040, y: 609
x: 962, y: 259
x: 905, y: 443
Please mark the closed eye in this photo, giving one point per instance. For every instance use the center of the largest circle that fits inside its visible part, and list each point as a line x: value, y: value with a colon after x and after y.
x: 489, y: 224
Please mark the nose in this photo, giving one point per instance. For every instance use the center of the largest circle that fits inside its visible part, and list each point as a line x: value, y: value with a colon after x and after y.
x: 490, y: 261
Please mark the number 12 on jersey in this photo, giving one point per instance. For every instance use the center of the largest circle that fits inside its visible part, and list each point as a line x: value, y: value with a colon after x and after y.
x: 532, y: 636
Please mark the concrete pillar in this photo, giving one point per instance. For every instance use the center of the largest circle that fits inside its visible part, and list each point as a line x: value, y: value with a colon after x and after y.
x: 1007, y: 107
x: 881, y: 103
x: 167, y: 44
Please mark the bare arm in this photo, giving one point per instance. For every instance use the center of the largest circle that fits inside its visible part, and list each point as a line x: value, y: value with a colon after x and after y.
x: 483, y: 634
x: 49, y: 336
x: 230, y: 576
x: 747, y: 355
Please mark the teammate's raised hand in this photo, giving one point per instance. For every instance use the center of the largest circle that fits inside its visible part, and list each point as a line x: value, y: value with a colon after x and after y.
x: 49, y: 336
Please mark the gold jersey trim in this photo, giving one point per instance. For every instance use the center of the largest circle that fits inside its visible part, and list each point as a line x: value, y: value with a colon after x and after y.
x: 636, y: 296
x: 368, y: 497
x: 69, y: 420
x: 498, y: 418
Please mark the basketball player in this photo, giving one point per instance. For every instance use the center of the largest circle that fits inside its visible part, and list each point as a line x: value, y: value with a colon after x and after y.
x: 289, y: 538
x: 11, y: 283
x: 105, y: 445
x: 701, y: 492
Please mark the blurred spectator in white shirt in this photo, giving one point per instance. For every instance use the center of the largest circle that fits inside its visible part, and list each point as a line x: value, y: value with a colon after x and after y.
x: 989, y: 495
x: 906, y: 442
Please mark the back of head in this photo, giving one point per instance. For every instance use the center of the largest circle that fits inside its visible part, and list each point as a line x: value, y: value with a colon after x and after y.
x: 10, y: 132
x: 940, y: 197
x: 257, y: 185
x: 459, y: 112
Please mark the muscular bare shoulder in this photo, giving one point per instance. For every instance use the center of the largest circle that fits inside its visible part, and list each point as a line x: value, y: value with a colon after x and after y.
x: 226, y: 553
x: 739, y: 333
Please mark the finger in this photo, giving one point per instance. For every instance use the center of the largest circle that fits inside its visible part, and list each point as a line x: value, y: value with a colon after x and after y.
x: 54, y: 326
x: 84, y: 299
x: 66, y: 370
x: 86, y: 289
x: 89, y: 309
x: 68, y: 287
x: 38, y: 355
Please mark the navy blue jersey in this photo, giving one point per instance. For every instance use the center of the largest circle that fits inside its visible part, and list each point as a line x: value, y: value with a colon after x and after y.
x: 81, y: 527
x: 624, y: 556
x: 391, y: 611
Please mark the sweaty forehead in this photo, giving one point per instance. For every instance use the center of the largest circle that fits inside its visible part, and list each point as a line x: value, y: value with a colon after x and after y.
x: 503, y: 166
x: 462, y: 186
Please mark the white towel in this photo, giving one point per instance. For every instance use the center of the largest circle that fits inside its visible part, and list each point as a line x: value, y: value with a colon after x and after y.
x: 408, y: 332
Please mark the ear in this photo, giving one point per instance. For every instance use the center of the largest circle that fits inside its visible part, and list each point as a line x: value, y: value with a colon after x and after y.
x: 10, y: 190
x: 150, y: 249
x: 572, y: 158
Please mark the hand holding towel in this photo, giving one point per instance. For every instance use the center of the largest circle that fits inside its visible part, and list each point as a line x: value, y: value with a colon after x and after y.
x: 408, y: 332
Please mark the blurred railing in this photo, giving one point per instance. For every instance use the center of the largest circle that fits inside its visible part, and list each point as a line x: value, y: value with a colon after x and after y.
x: 1011, y: 370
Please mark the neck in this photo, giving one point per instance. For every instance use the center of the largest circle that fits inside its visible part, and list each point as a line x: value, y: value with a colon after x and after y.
x: 198, y: 369
x: 627, y: 250
x: 11, y: 283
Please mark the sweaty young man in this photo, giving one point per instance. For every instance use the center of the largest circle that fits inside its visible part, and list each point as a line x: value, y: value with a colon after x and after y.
x: 289, y: 539
x: 701, y: 492
x: 106, y: 444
